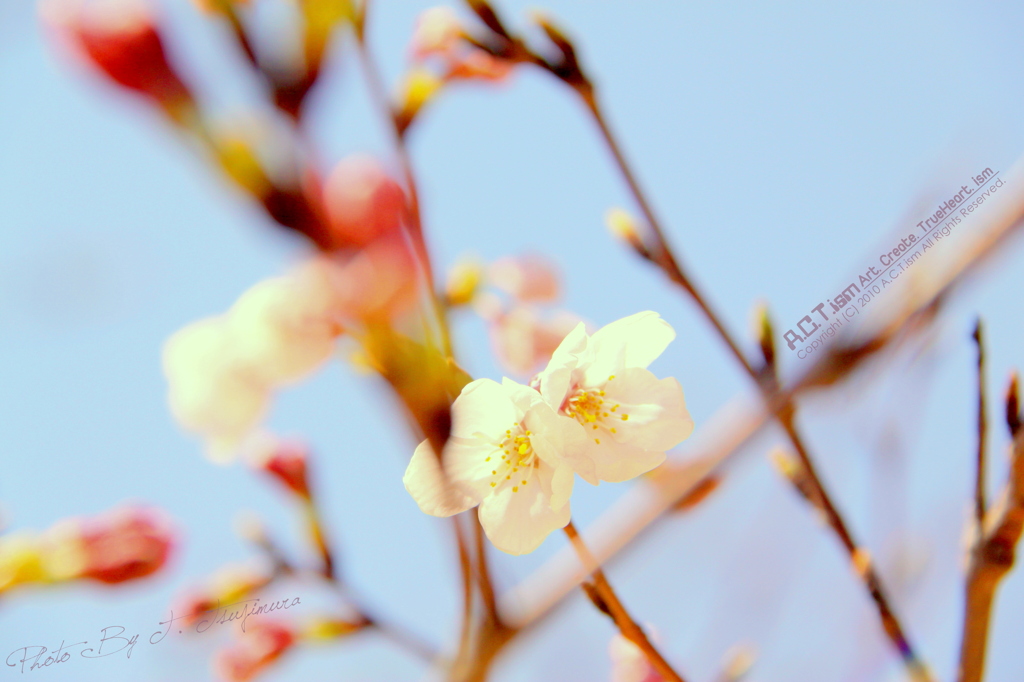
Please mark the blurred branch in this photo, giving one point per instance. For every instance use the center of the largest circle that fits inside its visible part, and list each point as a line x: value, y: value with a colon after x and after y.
x: 992, y: 556
x: 605, y: 599
x: 379, y: 95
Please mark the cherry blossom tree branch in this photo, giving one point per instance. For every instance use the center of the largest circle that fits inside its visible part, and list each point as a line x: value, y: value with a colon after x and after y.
x: 379, y: 95
x: 605, y: 599
x: 979, y: 483
x: 993, y: 554
x: 567, y: 69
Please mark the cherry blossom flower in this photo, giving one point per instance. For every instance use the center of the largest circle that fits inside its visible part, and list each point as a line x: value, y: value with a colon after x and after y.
x: 528, y: 277
x: 630, y: 416
x: 437, y: 32
x: 509, y: 453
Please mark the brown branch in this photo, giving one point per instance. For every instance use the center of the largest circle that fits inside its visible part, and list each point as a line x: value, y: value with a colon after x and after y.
x: 606, y: 600
x: 722, y: 436
x: 979, y: 484
x: 992, y: 556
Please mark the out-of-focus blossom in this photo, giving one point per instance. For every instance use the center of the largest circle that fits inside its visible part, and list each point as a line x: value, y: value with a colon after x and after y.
x: 631, y: 417
x: 222, y: 370
x: 377, y: 283
x: 437, y: 32
x: 121, y: 545
x: 122, y: 39
x: 362, y: 201
x: 229, y: 585
x: 509, y: 453
x: 286, y: 327
x: 209, y: 391
x: 527, y: 278
x: 124, y: 544
x: 625, y: 227
x: 440, y: 35
x: 629, y: 664
x: 255, y: 651
x: 285, y: 461
x: 524, y: 338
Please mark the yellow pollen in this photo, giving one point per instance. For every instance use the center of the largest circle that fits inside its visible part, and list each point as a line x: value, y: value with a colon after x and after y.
x: 615, y: 408
x: 493, y: 484
x: 595, y: 427
x: 613, y: 430
x: 597, y: 440
x: 523, y: 448
x: 524, y: 482
x: 494, y: 473
x: 488, y: 459
x: 508, y: 478
x: 625, y: 417
x: 515, y: 489
x: 601, y: 393
x: 611, y: 377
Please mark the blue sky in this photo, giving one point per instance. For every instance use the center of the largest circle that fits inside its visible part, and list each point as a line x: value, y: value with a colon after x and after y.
x: 782, y: 142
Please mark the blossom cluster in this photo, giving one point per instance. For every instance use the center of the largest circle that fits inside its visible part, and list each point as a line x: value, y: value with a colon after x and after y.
x: 514, y: 450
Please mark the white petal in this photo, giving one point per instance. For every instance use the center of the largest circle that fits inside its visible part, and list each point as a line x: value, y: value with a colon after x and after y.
x: 562, y: 479
x: 616, y: 462
x: 484, y: 406
x: 633, y: 341
x: 433, y: 493
x: 554, y: 382
x: 559, y: 440
x: 658, y: 419
x: 517, y: 522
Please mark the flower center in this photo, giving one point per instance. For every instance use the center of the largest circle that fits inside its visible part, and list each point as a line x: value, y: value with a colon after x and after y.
x: 517, y: 458
x: 589, y: 407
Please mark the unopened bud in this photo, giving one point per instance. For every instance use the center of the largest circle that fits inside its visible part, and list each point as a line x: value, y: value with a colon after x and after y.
x: 418, y: 88
x: 463, y: 282
x: 1013, y: 417
x: 286, y: 462
x: 625, y: 227
x: 765, y: 334
x: 330, y: 628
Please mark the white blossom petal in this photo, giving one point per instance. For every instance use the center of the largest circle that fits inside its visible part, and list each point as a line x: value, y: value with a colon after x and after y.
x: 484, y: 406
x: 633, y: 341
x: 615, y: 462
x: 434, y: 494
x: 518, y: 522
x: 656, y: 410
x: 554, y: 382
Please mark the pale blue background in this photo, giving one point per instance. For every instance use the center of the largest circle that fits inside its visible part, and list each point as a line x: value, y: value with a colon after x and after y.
x: 779, y: 140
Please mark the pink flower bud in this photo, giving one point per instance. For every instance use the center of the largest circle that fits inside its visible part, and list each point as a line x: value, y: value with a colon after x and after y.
x: 285, y: 461
x: 629, y: 664
x: 363, y: 203
x: 529, y: 277
x: 123, y: 544
x: 120, y: 38
x: 476, y: 64
x: 254, y: 652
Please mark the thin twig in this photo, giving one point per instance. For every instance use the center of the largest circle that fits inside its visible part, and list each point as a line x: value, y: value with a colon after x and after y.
x: 483, y: 572
x: 979, y: 484
x: 605, y: 598
x: 992, y: 557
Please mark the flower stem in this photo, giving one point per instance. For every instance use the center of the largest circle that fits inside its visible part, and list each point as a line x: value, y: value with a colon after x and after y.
x: 604, y: 598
